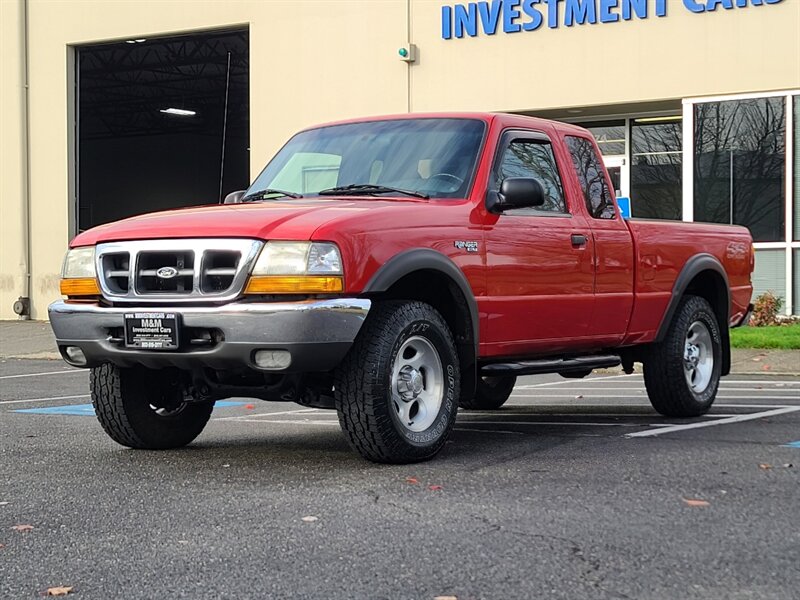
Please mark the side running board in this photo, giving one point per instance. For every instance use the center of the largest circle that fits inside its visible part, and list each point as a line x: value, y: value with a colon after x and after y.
x: 538, y: 367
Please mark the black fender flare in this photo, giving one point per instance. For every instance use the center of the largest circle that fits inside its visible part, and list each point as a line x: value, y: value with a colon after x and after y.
x: 425, y: 259
x: 693, y: 267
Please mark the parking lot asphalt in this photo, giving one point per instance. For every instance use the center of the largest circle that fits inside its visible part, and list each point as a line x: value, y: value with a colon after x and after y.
x: 574, y: 489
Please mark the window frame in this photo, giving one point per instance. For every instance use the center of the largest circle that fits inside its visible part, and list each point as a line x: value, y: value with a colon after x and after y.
x: 509, y: 136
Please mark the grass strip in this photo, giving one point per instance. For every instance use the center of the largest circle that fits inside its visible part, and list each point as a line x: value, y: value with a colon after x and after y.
x: 783, y: 337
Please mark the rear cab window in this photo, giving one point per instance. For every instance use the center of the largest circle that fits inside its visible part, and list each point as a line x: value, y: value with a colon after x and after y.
x: 591, y: 176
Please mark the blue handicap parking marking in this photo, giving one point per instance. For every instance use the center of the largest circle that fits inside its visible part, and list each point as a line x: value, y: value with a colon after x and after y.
x: 793, y: 444
x: 83, y: 410
x: 87, y: 410
x: 226, y: 403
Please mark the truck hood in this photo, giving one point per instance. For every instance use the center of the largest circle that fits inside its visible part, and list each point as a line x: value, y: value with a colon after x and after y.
x: 288, y: 220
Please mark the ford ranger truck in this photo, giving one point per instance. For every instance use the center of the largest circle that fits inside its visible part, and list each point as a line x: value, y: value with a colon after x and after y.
x: 395, y: 269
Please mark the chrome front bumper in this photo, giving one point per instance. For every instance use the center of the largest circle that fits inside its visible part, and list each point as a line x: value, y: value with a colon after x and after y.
x: 317, y: 334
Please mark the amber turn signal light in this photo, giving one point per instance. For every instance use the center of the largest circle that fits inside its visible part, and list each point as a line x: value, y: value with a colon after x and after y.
x: 82, y: 286
x: 300, y: 284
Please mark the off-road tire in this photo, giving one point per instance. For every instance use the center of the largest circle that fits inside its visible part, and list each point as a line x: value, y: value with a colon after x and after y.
x: 664, y: 372
x: 124, y: 401
x: 490, y: 393
x: 363, y: 384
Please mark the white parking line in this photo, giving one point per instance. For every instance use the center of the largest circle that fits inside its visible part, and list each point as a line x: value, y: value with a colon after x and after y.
x: 637, y: 379
x: 287, y: 422
x: 754, y: 405
x: 572, y: 414
x: 728, y: 421
x: 639, y: 396
x: 566, y: 381
x: 584, y: 405
x: 577, y: 396
x: 721, y: 389
x: 471, y: 430
x: 460, y: 423
x: 255, y: 417
x: 760, y: 382
x: 43, y: 399
x: 549, y: 423
x: 64, y: 372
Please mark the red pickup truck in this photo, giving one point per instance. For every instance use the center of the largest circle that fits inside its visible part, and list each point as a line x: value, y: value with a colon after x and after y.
x: 396, y: 268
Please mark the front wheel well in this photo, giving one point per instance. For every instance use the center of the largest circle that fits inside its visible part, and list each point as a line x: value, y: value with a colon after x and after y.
x: 442, y: 293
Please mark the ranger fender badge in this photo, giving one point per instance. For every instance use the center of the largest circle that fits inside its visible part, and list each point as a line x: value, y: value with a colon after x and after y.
x: 465, y: 245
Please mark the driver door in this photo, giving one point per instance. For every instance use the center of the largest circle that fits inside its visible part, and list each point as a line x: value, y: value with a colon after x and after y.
x: 540, y: 260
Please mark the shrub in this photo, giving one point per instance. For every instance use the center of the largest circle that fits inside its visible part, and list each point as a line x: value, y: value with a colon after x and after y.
x: 765, y: 310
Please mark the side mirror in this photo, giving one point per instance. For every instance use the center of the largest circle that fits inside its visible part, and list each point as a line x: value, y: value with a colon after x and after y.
x: 516, y: 192
x: 234, y: 197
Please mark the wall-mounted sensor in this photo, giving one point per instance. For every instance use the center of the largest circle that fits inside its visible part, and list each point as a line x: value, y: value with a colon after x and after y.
x: 22, y: 307
x: 408, y: 53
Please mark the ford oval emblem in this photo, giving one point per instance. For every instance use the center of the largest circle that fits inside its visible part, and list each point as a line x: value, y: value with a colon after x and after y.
x: 167, y: 272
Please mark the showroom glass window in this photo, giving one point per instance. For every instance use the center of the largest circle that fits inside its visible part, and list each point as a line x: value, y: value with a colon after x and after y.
x: 609, y: 135
x: 656, y: 168
x: 739, y: 162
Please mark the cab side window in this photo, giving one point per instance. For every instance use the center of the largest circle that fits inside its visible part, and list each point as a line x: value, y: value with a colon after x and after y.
x: 533, y: 158
x: 592, y: 178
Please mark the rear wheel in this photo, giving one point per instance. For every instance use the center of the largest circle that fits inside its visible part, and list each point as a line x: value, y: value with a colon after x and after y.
x: 682, y: 372
x: 490, y: 393
x: 396, y: 391
x: 145, y: 409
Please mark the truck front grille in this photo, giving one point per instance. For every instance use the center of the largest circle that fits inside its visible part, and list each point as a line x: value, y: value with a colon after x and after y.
x: 116, y: 271
x: 150, y: 266
x: 182, y: 270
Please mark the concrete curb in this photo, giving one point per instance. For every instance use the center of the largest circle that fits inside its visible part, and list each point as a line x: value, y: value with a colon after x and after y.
x: 33, y: 356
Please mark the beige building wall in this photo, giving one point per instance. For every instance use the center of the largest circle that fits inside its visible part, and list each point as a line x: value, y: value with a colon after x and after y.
x: 12, y: 156
x: 681, y: 55
x: 318, y: 60
x: 310, y: 61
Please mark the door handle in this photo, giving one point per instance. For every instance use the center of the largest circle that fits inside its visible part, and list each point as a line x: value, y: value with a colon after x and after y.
x: 578, y: 239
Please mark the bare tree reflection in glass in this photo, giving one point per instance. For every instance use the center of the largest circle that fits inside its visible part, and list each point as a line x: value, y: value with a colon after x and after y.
x: 739, y: 162
x: 656, y: 170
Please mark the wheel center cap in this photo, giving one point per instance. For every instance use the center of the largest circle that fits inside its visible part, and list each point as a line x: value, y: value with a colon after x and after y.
x: 692, y: 355
x: 409, y: 383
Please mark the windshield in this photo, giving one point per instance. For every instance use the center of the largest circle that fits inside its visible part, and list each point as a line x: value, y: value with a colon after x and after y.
x: 432, y: 157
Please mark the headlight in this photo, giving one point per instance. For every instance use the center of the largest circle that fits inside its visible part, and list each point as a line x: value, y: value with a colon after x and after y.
x: 79, y: 262
x: 298, y: 258
x: 78, y: 275
x: 297, y: 268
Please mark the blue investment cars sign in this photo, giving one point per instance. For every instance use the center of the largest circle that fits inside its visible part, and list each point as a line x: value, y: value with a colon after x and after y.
x: 513, y: 16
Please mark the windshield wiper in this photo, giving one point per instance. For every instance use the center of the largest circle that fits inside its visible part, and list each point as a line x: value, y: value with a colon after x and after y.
x: 358, y: 189
x: 263, y: 194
